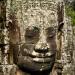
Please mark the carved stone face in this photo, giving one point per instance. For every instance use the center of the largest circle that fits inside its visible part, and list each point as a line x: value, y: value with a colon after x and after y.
x: 39, y: 50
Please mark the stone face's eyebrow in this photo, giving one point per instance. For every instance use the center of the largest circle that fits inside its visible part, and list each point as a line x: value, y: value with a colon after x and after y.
x: 32, y: 28
x: 50, y: 29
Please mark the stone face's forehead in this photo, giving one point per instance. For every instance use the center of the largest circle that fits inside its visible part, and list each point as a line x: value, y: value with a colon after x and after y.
x: 40, y: 18
x: 39, y: 13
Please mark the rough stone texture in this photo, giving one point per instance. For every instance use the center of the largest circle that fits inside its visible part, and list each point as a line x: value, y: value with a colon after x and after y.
x: 74, y: 49
x: 19, y: 7
x: 68, y: 51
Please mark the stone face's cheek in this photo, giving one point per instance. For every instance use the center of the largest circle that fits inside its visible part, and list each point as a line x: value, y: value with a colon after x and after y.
x: 51, y: 34
x: 51, y: 39
x: 27, y: 49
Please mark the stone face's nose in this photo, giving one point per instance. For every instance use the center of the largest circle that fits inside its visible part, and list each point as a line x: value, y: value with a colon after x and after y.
x: 42, y: 45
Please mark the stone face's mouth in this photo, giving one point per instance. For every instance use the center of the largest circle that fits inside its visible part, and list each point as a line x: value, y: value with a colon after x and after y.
x: 39, y: 57
x: 34, y: 54
x: 42, y: 57
x: 36, y: 61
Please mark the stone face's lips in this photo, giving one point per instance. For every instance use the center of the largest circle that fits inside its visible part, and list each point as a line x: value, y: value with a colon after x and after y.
x: 39, y: 55
x: 42, y: 60
x: 36, y: 59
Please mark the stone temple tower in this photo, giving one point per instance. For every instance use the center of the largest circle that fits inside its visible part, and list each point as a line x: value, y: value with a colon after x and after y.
x: 17, y: 15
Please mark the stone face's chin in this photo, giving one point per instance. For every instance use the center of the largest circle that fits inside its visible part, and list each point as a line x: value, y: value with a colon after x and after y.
x: 36, y: 64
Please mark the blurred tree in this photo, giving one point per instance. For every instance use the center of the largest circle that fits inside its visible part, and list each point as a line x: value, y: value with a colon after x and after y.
x: 73, y: 4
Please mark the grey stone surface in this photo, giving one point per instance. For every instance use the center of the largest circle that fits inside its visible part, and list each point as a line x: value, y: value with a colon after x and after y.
x: 18, y: 7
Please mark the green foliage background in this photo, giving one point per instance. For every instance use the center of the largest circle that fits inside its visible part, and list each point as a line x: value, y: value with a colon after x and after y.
x: 70, y: 11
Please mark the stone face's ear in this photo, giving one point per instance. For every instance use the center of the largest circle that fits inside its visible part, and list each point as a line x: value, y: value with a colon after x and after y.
x: 60, y: 13
x: 13, y: 29
x: 14, y: 38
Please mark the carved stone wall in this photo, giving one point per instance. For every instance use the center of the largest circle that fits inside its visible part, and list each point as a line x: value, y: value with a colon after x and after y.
x: 10, y: 10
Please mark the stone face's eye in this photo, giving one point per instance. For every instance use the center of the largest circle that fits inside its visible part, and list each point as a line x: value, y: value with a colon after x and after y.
x: 50, y: 32
x: 32, y: 35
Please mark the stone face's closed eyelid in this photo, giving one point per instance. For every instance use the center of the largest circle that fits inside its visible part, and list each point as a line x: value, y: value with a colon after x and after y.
x: 50, y: 32
x: 32, y: 34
